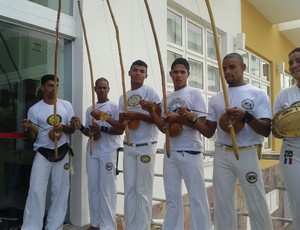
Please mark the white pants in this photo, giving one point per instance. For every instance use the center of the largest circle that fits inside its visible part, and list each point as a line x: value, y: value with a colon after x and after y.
x: 138, y: 166
x: 290, y: 167
x: 102, y: 188
x: 188, y: 167
x: 226, y: 170
x: 34, y: 211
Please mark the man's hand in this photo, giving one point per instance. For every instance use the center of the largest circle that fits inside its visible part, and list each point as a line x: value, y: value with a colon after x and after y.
x: 28, y: 125
x: 76, y: 122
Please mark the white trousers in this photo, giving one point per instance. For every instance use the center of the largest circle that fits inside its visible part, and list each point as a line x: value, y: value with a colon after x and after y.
x: 102, y: 189
x: 188, y: 167
x: 290, y: 167
x: 138, y: 166
x: 34, y: 211
x: 226, y: 170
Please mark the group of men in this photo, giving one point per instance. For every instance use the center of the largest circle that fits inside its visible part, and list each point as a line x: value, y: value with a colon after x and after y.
x: 184, y: 121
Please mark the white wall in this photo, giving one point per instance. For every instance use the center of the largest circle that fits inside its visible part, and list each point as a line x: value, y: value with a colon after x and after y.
x: 136, y: 43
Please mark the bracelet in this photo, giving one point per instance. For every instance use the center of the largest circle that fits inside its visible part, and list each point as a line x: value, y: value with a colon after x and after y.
x: 248, y: 117
x: 104, y: 129
x: 81, y: 128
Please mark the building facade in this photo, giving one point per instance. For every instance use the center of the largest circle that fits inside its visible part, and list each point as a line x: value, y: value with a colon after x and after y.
x: 183, y: 28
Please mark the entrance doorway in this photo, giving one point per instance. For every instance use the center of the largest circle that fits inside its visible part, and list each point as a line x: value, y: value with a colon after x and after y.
x: 25, y: 55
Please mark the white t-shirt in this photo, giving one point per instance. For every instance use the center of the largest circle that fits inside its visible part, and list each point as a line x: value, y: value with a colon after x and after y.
x: 107, y: 142
x: 146, y: 132
x: 42, y: 115
x: 247, y: 97
x: 283, y: 100
x: 190, y: 98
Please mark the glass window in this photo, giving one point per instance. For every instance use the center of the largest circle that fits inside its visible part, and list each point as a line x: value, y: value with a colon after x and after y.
x: 211, y: 48
x: 256, y: 84
x: 213, y: 83
x: 66, y: 5
x: 195, y: 38
x: 245, y: 56
x: 174, y: 24
x: 196, y: 74
x: 255, y: 70
x: 285, y: 80
x: 266, y: 71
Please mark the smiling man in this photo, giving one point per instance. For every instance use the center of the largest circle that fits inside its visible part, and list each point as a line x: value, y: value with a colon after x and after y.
x: 290, y: 155
x: 139, y: 154
x: 251, y: 107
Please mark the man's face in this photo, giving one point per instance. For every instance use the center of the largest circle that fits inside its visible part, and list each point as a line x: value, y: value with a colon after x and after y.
x: 294, y: 66
x: 233, y: 71
x: 179, y: 75
x: 101, y: 89
x: 49, y: 89
x: 138, y: 74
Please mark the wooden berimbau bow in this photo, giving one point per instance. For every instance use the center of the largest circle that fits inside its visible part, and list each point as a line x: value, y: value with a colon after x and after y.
x: 223, y: 81
x: 91, y: 70
x: 55, y: 76
x: 162, y: 72
x: 122, y: 68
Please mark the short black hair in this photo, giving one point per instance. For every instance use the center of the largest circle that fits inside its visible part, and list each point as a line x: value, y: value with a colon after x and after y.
x: 101, y: 79
x: 294, y: 51
x: 181, y: 61
x: 139, y: 63
x: 235, y: 55
x: 47, y: 77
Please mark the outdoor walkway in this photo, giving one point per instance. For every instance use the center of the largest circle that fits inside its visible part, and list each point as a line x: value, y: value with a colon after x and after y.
x: 71, y: 227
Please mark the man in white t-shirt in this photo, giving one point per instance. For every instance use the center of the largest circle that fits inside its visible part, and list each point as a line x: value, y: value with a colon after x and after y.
x: 139, y: 149
x: 250, y: 113
x: 186, y: 158
x: 38, y: 125
x: 102, y: 158
x: 290, y: 150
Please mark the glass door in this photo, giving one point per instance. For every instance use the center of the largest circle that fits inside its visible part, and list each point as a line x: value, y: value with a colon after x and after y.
x: 25, y: 55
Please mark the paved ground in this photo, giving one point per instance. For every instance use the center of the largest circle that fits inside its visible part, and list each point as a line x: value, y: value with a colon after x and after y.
x: 71, y: 227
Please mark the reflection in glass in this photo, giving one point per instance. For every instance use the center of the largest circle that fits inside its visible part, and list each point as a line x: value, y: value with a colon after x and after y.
x: 266, y: 71
x: 213, y: 79
x: 245, y: 56
x: 174, y: 25
x: 25, y: 55
x: 255, y: 70
x: 211, y: 48
x: 194, y: 37
x: 66, y: 5
x: 196, y: 74
x: 256, y: 84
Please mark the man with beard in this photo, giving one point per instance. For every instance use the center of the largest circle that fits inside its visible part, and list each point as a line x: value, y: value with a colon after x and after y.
x: 46, y: 164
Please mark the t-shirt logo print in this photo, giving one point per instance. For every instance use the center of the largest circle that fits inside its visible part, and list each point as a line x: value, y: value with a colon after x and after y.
x: 134, y: 100
x: 175, y: 104
x: 51, y: 120
x: 247, y: 104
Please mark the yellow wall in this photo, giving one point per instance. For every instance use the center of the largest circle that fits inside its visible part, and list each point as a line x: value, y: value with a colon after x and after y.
x: 264, y: 39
